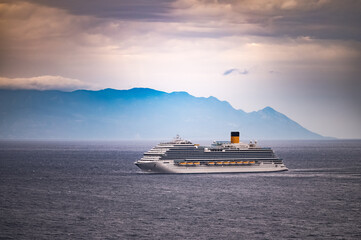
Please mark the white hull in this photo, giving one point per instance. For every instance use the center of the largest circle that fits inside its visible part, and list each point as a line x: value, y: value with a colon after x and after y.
x: 168, y: 166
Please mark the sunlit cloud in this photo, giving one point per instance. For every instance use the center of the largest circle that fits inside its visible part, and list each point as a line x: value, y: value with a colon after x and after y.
x: 44, y: 83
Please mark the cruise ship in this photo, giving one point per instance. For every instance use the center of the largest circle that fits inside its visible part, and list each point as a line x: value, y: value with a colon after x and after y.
x: 182, y: 156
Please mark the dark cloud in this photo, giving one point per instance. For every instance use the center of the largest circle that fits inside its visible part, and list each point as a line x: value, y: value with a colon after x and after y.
x: 318, y: 19
x: 154, y: 10
x: 235, y: 71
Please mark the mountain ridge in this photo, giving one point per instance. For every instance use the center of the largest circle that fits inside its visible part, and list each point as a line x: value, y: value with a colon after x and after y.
x: 135, y: 113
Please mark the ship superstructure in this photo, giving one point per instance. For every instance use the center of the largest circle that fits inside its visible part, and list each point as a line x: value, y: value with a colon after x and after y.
x: 182, y: 156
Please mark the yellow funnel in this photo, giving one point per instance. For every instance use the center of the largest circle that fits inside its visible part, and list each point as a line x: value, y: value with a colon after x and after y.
x: 234, y: 137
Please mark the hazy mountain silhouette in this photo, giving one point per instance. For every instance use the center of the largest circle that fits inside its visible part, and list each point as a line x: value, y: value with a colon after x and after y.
x: 135, y: 114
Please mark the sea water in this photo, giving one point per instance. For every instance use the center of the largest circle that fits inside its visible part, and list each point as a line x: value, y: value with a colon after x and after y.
x: 92, y: 190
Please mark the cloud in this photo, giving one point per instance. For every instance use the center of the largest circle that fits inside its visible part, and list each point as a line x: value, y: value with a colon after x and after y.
x: 43, y: 83
x: 235, y: 71
x: 326, y: 19
x: 147, y: 10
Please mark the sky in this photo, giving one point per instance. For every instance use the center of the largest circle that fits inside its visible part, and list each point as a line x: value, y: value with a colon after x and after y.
x: 303, y: 58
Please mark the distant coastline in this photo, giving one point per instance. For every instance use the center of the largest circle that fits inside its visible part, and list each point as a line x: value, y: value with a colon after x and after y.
x: 138, y: 113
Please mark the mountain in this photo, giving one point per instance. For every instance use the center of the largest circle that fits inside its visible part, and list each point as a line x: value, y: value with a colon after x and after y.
x: 138, y: 113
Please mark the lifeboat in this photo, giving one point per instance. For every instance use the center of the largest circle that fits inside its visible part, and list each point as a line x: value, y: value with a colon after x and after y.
x: 240, y: 162
x: 196, y: 163
x: 219, y: 163
x: 182, y: 163
x: 232, y: 163
x: 211, y: 163
x: 226, y: 163
x: 189, y: 163
x: 252, y: 162
x: 246, y: 162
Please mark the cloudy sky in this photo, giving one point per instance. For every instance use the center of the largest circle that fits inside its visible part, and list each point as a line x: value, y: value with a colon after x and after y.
x: 302, y: 58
